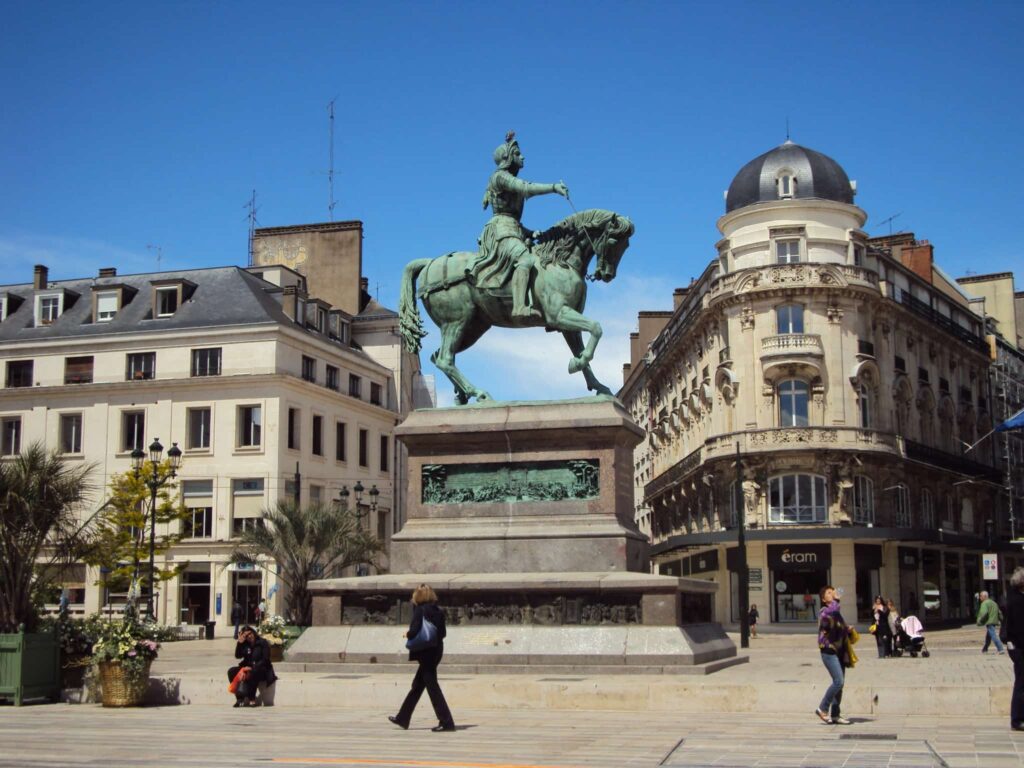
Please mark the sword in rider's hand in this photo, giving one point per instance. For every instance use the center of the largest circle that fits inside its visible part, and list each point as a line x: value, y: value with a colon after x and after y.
x: 585, y: 230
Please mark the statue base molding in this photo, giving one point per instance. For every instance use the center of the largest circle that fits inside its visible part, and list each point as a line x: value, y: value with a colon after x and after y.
x: 536, y: 620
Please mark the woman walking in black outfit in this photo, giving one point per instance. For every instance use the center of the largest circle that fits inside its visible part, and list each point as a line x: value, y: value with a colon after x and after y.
x: 424, y: 602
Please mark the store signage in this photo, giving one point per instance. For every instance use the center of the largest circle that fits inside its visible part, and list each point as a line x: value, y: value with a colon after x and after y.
x: 799, y: 557
x: 756, y: 575
x: 990, y: 567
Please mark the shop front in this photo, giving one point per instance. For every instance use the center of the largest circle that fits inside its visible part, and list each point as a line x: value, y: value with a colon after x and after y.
x: 798, y: 571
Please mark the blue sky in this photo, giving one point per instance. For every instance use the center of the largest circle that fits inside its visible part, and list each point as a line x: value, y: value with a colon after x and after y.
x: 130, y: 125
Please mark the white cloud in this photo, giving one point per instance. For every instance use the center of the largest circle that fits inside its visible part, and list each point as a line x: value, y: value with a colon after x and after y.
x: 530, y: 364
x: 67, y: 257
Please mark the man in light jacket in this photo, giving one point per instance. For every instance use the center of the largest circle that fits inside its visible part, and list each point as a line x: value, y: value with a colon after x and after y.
x: 989, y: 617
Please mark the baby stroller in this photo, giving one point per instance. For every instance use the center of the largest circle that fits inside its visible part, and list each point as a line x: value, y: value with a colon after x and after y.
x: 910, y: 638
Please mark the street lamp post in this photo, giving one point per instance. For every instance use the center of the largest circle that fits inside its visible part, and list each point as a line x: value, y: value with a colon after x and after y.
x: 358, y: 489
x: 154, y: 482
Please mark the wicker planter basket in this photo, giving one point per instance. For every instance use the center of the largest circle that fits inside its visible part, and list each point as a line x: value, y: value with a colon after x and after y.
x: 118, y: 689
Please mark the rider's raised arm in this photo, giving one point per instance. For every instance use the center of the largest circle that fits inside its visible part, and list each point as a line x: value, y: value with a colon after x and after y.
x: 527, y: 188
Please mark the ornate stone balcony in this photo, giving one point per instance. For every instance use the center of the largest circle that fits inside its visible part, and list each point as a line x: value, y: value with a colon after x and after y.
x: 776, y: 276
x: 802, y: 438
x: 803, y: 350
x: 792, y: 344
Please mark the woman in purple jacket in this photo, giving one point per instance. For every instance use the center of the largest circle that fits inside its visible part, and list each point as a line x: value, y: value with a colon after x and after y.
x: 833, y: 632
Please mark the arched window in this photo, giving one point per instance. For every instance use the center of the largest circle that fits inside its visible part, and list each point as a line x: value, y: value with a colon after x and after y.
x: 866, y: 406
x: 927, y: 509
x: 901, y: 506
x: 793, y: 403
x: 789, y: 318
x: 797, y: 499
x: 863, y: 500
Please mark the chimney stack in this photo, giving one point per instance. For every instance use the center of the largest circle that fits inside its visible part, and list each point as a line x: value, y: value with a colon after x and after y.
x: 40, y: 277
x: 290, y: 302
x: 108, y: 271
x: 364, y: 284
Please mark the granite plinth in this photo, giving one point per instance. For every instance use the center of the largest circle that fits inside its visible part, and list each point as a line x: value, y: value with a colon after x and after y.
x: 521, y: 532
x: 520, y: 516
x: 535, y: 619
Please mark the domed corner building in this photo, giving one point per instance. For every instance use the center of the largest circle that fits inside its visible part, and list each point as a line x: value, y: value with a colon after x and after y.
x: 848, y: 372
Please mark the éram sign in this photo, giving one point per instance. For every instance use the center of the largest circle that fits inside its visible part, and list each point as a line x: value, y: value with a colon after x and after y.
x: 799, y: 557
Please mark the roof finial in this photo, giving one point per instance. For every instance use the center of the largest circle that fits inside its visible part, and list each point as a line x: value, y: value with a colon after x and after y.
x: 787, y: 127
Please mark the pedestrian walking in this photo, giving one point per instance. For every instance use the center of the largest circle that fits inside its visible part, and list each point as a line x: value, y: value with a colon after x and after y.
x: 989, y: 617
x: 1012, y: 633
x: 894, y: 625
x: 237, y: 616
x: 752, y: 617
x: 428, y: 652
x: 883, y: 635
x: 834, y: 647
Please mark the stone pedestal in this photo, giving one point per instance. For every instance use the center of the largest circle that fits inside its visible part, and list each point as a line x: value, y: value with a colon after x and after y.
x: 520, y: 517
x: 520, y: 488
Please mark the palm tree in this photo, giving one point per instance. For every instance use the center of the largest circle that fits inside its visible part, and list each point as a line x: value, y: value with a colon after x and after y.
x: 306, y: 542
x: 41, y: 529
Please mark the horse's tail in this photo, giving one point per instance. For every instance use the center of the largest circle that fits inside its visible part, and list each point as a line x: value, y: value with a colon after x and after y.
x: 409, y: 321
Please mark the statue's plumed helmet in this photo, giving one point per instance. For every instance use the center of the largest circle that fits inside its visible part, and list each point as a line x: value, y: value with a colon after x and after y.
x: 504, y: 151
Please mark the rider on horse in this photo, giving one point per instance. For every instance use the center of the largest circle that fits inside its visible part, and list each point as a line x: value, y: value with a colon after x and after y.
x: 504, y: 243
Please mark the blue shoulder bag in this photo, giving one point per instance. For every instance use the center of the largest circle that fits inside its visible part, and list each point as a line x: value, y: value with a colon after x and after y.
x: 425, y: 638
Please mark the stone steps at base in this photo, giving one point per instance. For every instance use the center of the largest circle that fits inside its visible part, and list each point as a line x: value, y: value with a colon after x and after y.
x: 636, y: 693
x: 513, y: 669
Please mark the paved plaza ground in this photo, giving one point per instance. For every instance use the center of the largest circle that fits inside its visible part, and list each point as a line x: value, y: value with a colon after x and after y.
x: 345, y: 723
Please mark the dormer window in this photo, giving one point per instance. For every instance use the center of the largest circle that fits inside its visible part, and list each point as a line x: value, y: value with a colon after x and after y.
x: 106, y: 306
x: 166, y: 301
x: 785, y: 183
x: 49, y: 308
x: 3, y: 308
x: 169, y: 295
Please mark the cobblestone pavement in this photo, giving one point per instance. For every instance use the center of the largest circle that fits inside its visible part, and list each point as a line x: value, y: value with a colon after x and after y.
x: 64, y: 736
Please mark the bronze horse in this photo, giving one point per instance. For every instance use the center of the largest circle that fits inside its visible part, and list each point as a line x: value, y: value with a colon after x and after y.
x: 465, y: 312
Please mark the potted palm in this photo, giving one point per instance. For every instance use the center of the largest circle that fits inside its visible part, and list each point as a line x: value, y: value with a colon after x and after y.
x: 123, y: 652
x: 43, y: 529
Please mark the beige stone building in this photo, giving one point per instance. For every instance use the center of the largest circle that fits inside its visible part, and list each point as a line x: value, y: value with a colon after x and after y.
x: 849, y: 372
x: 268, y: 390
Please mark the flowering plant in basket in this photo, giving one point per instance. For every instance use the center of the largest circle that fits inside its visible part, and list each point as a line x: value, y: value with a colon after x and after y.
x: 271, y: 629
x: 128, y: 641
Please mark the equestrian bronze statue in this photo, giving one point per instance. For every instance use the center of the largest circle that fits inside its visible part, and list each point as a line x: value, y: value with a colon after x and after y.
x: 466, y: 293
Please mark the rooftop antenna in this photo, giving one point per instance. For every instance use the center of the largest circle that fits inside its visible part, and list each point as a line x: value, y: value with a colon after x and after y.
x: 159, y: 253
x: 787, y: 127
x: 330, y: 169
x: 251, y: 216
x: 889, y: 220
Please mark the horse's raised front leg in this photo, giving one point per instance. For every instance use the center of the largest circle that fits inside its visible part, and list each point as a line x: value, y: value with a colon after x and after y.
x: 444, y: 359
x: 575, y: 341
x: 570, y: 320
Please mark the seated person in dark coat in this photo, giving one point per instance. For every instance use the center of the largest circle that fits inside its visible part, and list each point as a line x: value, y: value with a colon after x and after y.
x: 254, y: 652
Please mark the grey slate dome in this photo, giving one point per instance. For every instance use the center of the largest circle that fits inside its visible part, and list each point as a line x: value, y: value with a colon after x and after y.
x: 816, y: 176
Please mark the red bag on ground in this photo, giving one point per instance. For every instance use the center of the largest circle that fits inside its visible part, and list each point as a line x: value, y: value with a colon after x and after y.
x: 239, y: 677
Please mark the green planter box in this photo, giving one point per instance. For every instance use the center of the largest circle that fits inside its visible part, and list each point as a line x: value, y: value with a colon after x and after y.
x: 29, y: 667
